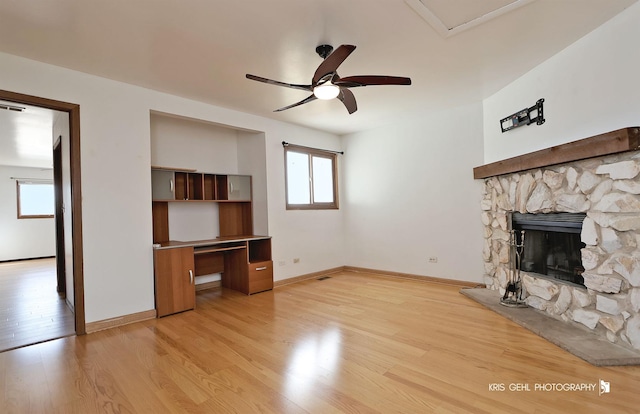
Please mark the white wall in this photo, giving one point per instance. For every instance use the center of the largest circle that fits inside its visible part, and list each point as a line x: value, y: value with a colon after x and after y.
x: 589, y: 88
x: 313, y: 236
x: 23, y: 238
x: 252, y: 161
x: 410, y: 194
x: 191, y: 144
x: 187, y: 143
x: 116, y: 183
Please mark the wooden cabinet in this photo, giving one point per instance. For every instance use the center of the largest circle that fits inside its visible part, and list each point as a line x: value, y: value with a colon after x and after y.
x: 260, y: 270
x: 163, y: 185
x: 174, y: 280
x: 239, y: 187
x: 170, y: 185
x: 249, y: 269
x: 260, y: 276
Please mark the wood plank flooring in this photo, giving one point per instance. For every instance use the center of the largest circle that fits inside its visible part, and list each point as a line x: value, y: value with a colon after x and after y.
x: 31, y: 310
x: 353, y: 343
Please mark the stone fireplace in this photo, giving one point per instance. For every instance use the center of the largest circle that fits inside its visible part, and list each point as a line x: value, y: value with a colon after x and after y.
x: 600, y: 289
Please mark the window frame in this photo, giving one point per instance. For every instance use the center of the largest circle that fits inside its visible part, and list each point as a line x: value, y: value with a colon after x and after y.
x: 312, y: 152
x: 20, y: 183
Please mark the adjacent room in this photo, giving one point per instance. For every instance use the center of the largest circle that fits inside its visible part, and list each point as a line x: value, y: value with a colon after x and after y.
x: 35, y: 305
x: 308, y: 207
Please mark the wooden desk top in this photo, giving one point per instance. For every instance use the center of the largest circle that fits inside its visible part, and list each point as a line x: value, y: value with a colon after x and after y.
x: 210, y: 242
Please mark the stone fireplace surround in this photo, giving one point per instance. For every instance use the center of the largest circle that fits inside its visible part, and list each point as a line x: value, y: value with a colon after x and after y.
x: 599, y: 176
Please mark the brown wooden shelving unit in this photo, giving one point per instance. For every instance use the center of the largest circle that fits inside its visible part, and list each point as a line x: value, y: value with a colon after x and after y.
x: 243, y: 260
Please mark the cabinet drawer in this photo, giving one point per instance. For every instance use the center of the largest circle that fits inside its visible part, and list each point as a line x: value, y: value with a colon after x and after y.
x: 260, y: 276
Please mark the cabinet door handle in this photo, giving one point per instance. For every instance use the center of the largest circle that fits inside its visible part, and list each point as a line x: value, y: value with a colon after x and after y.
x: 261, y: 268
x: 230, y: 187
x: 191, y: 276
x: 171, y: 185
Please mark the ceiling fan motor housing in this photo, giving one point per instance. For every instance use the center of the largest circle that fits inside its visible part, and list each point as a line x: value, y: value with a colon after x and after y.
x: 324, y: 50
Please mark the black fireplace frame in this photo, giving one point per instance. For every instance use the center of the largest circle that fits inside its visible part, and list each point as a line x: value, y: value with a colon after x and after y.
x: 558, y: 222
x: 568, y: 223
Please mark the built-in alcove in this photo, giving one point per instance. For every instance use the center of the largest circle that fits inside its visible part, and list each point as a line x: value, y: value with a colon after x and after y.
x: 206, y: 147
x: 207, y: 151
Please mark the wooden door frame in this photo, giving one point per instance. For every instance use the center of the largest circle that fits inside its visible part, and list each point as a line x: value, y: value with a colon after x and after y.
x: 76, y: 194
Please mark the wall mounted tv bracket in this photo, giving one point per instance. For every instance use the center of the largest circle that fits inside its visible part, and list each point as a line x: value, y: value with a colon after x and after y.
x: 523, y: 117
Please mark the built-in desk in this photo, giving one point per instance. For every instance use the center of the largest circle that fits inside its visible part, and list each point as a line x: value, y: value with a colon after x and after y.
x: 244, y: 262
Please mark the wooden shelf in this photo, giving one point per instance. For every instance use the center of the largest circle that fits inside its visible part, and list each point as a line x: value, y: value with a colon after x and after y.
x: 621, y: 140
x: 157, y: 167
x: 183, y: 185
x: 259, y: 250
x: 232, y: 191
x: 209, y: 187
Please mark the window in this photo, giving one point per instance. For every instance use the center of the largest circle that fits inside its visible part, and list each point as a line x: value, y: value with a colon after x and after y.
x: 35, y: 199
x: 311, y: 177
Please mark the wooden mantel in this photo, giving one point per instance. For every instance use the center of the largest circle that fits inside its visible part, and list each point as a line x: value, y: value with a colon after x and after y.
x: 621, y: 140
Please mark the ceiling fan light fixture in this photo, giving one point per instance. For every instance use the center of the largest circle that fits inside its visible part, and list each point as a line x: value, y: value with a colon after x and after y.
x: 326, y: 84
x: 326, y: 91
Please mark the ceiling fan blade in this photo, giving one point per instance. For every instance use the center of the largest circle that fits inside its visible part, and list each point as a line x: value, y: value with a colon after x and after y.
x: 369, y: 80
x: 331, y: 63
x: 304, y: 101
x: 277, y: 83
x: 348, y: 99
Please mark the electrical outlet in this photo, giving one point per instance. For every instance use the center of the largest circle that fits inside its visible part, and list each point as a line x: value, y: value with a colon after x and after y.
x: 296, y: 260
x: 282, y: 263
x: 433, y: 259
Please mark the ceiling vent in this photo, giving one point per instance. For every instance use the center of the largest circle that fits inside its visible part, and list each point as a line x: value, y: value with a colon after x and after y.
x: 449, y: 18
x: 11, y: 107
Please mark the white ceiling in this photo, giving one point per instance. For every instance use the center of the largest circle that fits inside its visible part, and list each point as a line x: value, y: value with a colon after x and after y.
x: 455, y: 51
x: 26, y: 138
x: 452, y: 16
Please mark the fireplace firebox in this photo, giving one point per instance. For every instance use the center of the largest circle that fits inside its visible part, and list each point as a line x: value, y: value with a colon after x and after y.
x: 552, y: 244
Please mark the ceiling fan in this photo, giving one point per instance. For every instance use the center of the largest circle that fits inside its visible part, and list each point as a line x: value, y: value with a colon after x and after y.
x: 326, y: 84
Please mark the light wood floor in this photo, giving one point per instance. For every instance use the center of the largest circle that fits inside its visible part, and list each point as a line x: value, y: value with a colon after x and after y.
x: 352, y: 343
x: 31, y: 310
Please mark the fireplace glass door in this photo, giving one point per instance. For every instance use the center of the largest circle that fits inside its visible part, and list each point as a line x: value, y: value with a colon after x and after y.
x: 552, y: 244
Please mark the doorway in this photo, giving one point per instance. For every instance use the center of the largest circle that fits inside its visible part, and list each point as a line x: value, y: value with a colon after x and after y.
x: 68, y: 265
